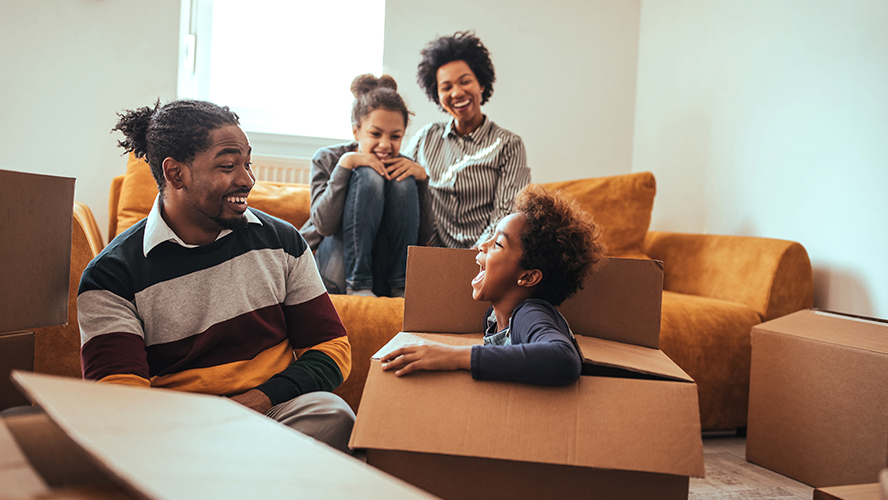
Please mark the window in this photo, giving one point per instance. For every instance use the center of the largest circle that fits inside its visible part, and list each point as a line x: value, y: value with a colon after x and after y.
x: 283, y: 66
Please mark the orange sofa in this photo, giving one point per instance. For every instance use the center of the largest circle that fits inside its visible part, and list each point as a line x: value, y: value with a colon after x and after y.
x: 716, y: 287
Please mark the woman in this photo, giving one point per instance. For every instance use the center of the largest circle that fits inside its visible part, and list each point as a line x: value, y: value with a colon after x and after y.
x: 365, y: 197
x: 475, y: 167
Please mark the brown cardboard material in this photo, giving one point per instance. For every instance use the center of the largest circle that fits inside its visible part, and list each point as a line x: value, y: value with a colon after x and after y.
x: 36, y: 213
x: 16, y: 353
x: 632, y: 434
x: 818, y: 398
x: 158, y: 443
x: 852, y: 492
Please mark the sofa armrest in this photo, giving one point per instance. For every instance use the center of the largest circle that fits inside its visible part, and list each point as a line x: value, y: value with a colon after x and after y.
x: 113, y: 203
x: 773, y: 277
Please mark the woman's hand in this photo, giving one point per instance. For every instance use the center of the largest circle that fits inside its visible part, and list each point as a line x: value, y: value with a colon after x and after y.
x: 354, y: 160
x: 402, y: 168
x: 428, y: 357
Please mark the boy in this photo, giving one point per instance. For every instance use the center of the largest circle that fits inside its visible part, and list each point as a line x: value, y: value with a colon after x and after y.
x: 537, y: 258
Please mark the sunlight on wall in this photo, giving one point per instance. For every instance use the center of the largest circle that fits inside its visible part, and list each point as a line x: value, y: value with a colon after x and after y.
x: 301, y: 86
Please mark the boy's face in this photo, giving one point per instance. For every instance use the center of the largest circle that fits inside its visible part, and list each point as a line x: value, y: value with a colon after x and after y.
x: 499, y: 258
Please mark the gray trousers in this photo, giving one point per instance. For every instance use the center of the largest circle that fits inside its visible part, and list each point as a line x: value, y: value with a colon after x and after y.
x: 321, y: 415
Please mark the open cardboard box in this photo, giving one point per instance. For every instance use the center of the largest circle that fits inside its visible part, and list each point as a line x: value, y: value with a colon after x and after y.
x: 112, y: 441
x: 818, y: 398
x: 36, y: 215
x: 629, y: 428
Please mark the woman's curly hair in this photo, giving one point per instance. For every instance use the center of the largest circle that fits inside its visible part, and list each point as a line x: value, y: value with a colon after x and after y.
x: 462, y: 46
x: 179, y: 130
x: 373, y: 93
x: 560, y: 239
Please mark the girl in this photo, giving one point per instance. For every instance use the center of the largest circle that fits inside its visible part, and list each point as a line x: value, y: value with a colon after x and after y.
x: 538, y: 257
x: 365, y: 197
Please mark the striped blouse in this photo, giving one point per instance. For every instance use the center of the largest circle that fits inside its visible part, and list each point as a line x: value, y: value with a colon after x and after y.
x: 472, y: 179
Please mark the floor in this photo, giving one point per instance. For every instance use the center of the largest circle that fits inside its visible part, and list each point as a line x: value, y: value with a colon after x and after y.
x: 730, y: 477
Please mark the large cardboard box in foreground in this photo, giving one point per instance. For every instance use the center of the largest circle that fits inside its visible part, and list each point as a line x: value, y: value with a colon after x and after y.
x: 112, y: 441
x: 629, y: 428
x: 818, y: 398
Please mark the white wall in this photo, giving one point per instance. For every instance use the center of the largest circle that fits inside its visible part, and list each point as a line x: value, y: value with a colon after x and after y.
x: 565, y: 73
x: 67, y: 67
x: 770, y: 119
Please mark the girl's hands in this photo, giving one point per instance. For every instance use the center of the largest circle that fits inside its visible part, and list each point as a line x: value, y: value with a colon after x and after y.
x: 428, y: 357
x: 354, y: 160
x: 402, y: 168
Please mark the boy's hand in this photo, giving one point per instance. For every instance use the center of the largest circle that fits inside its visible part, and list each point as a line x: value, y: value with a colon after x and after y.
x: 402, y: 168
x: 428, y: 357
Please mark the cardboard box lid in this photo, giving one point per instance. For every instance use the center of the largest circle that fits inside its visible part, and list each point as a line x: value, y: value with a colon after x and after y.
x: 36, y: 222
x: 620, y: 302
x: 169, y: 444
x: 834, y: 328
x: 600, y: 422
x: 600, y: 357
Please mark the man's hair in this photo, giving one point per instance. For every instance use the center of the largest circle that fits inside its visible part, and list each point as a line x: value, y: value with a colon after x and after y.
x: 462, y: 46
x: 178, y: 130
x: 560, y: 239
x: 373, y: 93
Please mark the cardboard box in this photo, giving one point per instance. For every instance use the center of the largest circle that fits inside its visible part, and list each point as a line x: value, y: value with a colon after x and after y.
x: 16, y: 353
x: 818, y: 398
x: 157, y: 443
x: 852, y: 492
x: 36, y: 214
x: 634, y: 433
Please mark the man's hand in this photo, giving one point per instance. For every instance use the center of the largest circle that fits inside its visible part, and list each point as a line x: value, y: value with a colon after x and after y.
x: 428, y: 357
x: 255, y: 400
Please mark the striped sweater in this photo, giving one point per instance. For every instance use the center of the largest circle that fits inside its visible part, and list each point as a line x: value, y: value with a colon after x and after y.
x: 221, y: 318
x: 472, y: 179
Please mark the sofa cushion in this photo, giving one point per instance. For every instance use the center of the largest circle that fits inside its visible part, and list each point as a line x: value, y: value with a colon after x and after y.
x: 289, y: 202
x: 137, y: 193
x: 621, y: 204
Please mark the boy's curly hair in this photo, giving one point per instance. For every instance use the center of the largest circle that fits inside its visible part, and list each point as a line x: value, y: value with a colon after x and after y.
x: 560, y: 239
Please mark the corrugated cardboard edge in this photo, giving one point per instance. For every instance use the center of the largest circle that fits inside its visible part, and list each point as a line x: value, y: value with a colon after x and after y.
x: 873, y: 336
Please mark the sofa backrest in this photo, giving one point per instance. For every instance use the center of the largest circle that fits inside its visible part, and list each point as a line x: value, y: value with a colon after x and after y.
x: 134, y: 193
x: 621, y: 204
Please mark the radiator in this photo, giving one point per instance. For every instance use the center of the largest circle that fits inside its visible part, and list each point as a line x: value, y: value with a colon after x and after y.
x: 282, y: 169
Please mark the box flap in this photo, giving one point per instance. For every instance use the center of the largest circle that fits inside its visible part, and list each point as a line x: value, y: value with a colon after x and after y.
x: 823, y: 326
x: 601, y: 422
x: 609, y: 358
x: 36, y: 221
x: 168, y: 444
x: 620, y: 302
x: 600, y: 357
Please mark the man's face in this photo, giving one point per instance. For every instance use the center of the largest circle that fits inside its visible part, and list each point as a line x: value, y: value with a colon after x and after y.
x: 218, y: 180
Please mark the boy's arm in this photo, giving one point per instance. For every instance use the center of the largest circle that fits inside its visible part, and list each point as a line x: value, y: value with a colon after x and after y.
x: 544, y: 354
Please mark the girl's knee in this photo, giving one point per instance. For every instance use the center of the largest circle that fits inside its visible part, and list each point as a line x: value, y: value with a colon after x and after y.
x: 367, y: 182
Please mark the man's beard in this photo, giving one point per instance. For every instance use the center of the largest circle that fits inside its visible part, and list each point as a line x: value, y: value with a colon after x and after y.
x: 232, y: 223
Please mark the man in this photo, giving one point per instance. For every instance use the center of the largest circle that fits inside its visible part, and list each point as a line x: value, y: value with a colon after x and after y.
x: 205, y: 295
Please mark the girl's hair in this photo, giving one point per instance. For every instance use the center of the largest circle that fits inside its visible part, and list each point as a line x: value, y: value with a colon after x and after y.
x: 373, y: 93
x: 178, y: 130
x: 560, y: 239
x: 462, y: 46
